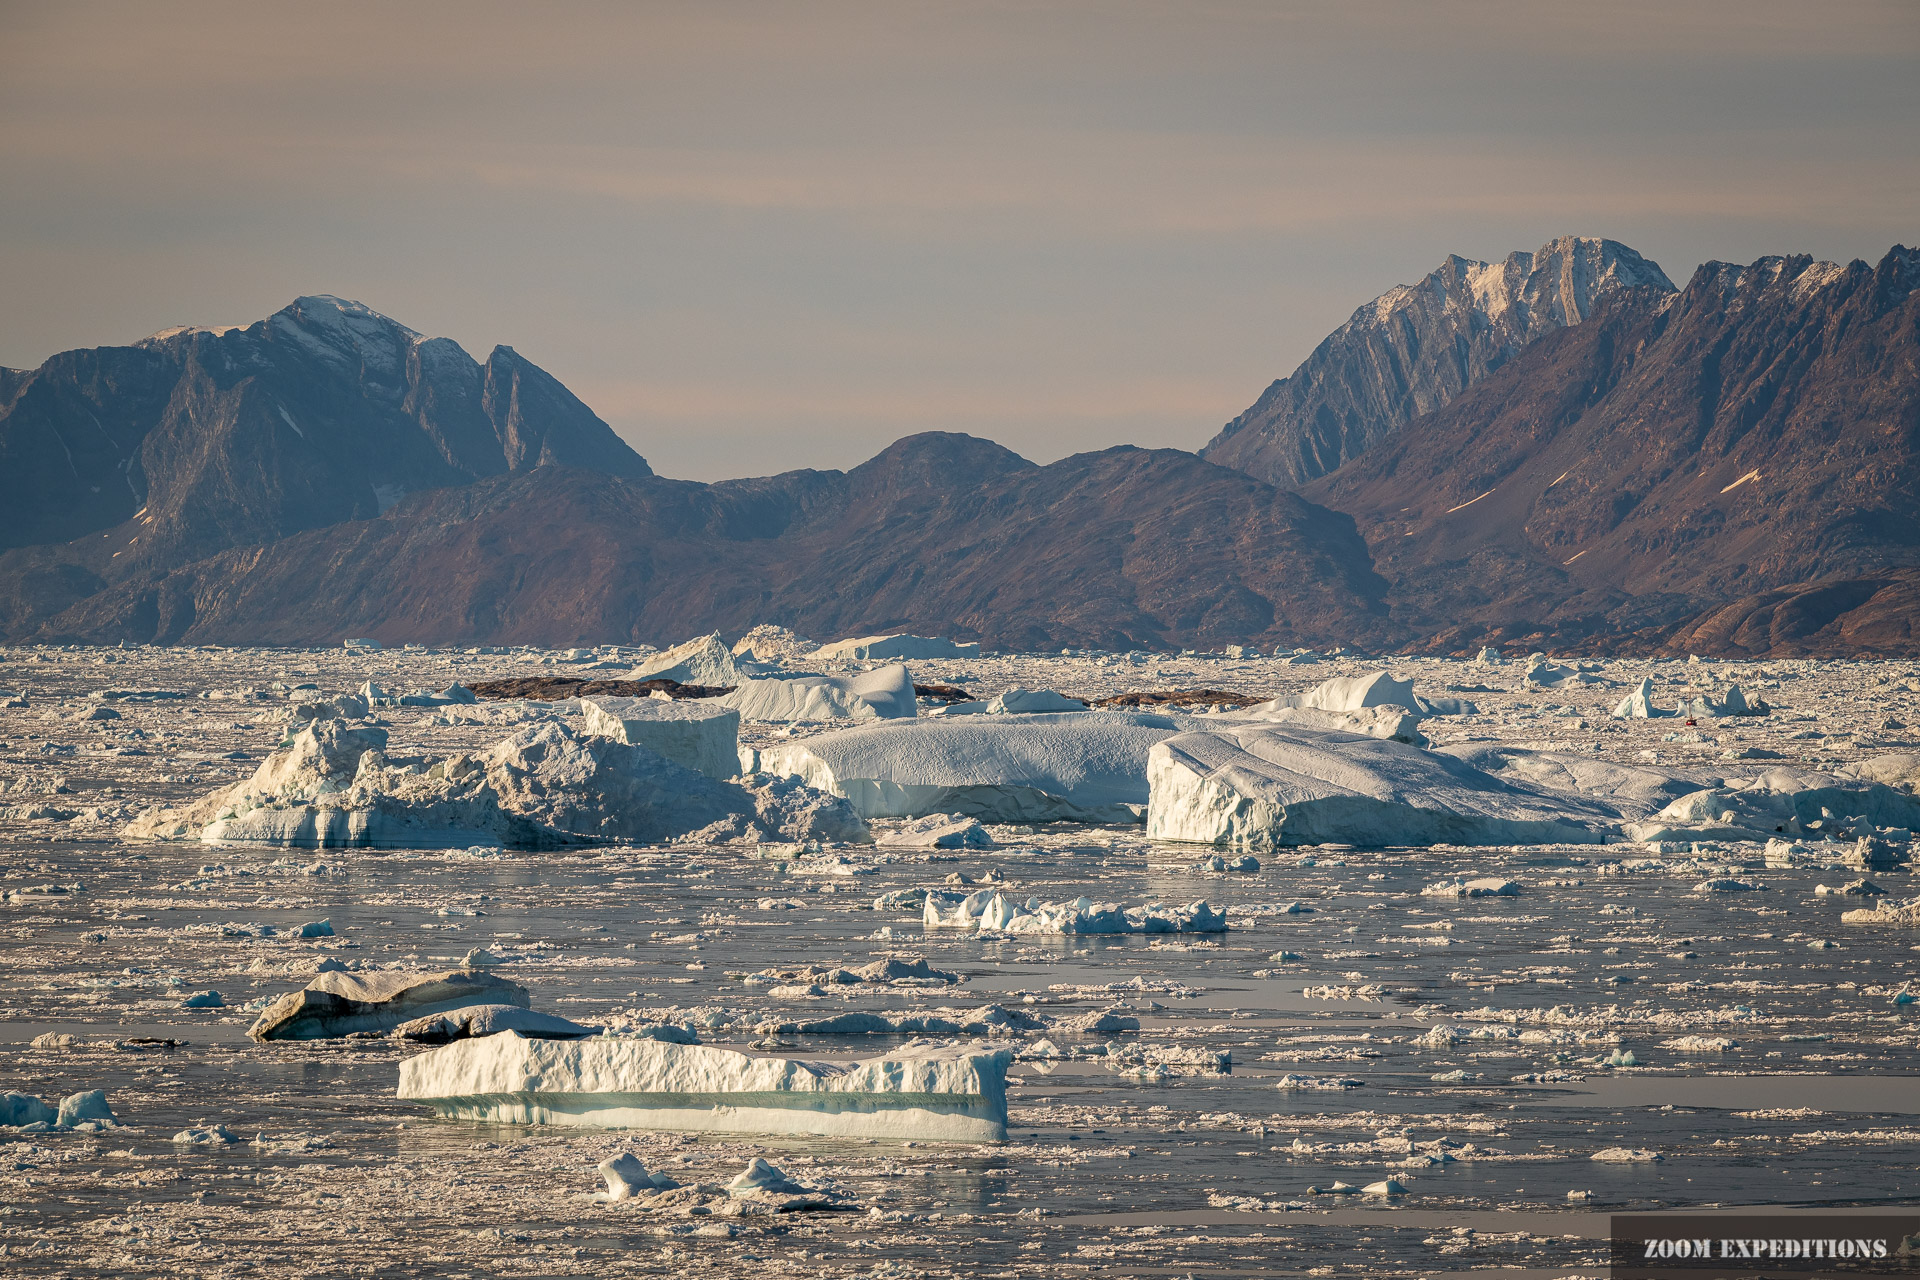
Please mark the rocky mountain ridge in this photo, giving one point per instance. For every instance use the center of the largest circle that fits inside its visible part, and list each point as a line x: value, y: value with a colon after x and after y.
x: 1416, y: 347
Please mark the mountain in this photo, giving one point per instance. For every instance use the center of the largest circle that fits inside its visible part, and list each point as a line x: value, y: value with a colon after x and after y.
x: 200, y: 439
x: 1757, y: 430
x: 1415, y: 348
x: 939, y: 533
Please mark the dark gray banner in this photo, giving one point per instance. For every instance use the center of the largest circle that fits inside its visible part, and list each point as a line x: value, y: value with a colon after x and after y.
x: 1791, y: 1246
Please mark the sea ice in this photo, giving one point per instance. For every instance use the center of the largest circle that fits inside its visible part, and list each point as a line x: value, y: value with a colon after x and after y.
x: 919, y: 1091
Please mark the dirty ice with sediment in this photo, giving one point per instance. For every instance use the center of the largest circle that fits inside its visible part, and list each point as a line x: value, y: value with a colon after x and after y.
x: 894, y: 958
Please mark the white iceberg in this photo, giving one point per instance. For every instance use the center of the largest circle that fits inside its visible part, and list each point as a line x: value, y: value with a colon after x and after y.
x: 699, y: 733
x: 1389, y: 721
x: 1638, y: 705
x: 885, y: 693
x: 990, y: 911
x: 1086, y: 766
x: 704, y: 660
x: 1262, y: 786
x: 545, y: 787
x: 910, y: 648
x: 1347, y: 693
x: 920, y: 1092
x: 1019, y: 701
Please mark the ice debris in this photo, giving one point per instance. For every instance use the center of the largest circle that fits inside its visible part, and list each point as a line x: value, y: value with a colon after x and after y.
x: 939, y: 831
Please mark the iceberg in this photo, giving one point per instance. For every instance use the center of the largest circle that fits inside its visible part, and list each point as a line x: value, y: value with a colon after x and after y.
x: 1385, y: 720
x: 1263, y: 786
x: 704, y: 660
x: 1638, y: 705
x: 990, y: 911
x: 885, y: 693
x: 697, y: 733
x: 340, y: 1003
x: 919, y: 1091
x: 1347, y: 693
x: 1018, y: 701
x: 546, y: 787
x: 1083, y: 766
x: 910, y: 648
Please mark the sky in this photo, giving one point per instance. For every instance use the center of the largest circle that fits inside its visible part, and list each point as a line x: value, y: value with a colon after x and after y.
x: 755, y: 237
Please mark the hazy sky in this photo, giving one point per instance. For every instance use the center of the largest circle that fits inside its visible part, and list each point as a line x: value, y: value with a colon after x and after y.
x: 756, y: 237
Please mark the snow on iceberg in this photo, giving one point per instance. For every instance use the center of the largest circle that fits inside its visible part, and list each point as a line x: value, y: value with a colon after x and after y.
x: 1083, y: 766
x: 885, y: 693
x: 910, y: 648
x: 1262, y: 786
x: 919, y: 1091
x: 698, y: 733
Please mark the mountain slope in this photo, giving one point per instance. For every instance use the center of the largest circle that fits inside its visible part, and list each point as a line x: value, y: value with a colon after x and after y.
x: 1758, y: 429
x: 211, y: 438
x: 1413, y: 349
x: 940, y: 533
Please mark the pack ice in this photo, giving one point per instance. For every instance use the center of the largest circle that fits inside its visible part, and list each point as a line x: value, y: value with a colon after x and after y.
x: 1262, y: 786
x: 919, y: 1091
x: 332, y: 785
x: 1084, y: 766
x: 885, y: 693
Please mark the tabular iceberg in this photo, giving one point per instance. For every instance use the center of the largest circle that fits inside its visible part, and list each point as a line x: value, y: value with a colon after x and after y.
x: 908, y: 647
x: 921, y: 1092
x: 697, y: 733
x: 1263, y: 786
x: 1084, y: 766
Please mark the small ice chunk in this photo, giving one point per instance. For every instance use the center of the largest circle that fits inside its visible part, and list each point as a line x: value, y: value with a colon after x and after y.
x: 762, y: 1176
x: 316, y: 929
x: 23, y: 1108
x: 1627, y: 1155
x: 204, y: 1000
x: 628, y: 1179
x: 215, y: 1135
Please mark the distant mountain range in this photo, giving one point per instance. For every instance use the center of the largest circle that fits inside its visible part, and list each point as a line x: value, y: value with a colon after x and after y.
x: 1561, y: 450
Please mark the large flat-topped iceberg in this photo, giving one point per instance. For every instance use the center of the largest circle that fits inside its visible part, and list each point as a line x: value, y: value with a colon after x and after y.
x: 910, y: 648
x: 918, y: 1092
x: 1262, y: 786
x: 694, y: 732
x: 885, y: 693
x: 1085, y: 766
